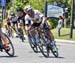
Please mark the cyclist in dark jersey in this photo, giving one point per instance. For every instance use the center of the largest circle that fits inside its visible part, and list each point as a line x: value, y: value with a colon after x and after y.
x: 21, y: 15
x: 14, y: 20
x: 21, y: 22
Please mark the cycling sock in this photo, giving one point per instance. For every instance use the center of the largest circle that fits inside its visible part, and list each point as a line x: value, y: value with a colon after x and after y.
x: 5, y: 42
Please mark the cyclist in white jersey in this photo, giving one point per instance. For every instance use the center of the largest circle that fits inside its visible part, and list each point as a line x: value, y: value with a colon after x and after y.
x: 33, y: 18
x: 14, y: 21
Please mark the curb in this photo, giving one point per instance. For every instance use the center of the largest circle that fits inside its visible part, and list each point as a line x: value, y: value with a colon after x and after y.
x: 64, y: 41
x: 57, y: 40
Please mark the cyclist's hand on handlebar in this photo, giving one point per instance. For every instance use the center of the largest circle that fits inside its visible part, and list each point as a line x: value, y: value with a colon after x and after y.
x: 34, y: 20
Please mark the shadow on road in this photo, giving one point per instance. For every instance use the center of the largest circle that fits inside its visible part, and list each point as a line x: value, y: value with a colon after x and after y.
x: 33, y: 52
x: 52, y: 57
x: 8, y: 56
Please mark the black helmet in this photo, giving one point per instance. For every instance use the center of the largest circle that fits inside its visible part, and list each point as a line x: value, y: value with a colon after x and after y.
x: 12, y: 14
x: 19, y: 9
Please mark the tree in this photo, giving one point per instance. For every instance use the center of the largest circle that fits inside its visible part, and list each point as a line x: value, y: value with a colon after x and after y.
x: 38, y: 4
x: 21, y: 3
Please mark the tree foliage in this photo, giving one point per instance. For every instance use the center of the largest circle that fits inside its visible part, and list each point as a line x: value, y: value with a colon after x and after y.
x: 39, y: 4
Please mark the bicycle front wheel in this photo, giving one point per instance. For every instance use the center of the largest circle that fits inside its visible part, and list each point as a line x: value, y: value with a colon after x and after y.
x: 11, y: 51
x: 33, y: 45
x: 43, y: 48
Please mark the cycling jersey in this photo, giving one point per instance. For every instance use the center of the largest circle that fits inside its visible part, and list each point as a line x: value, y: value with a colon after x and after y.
x: 14, y: 19
x: 28, y: 19
x: 22, y: 18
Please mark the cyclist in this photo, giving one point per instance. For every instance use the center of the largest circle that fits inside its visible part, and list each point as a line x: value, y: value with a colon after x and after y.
x: 13, y: 20
x: 33, y: 19
x: 46, y: 27
x: 21, y: 15
x: 21, y: 22
x: 4, y: 40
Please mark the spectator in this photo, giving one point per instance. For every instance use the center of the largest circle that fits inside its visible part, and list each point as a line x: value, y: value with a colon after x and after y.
x: 59, y: 25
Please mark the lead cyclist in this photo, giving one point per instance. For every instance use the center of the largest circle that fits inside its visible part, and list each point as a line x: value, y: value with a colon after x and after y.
x: 33, y: 19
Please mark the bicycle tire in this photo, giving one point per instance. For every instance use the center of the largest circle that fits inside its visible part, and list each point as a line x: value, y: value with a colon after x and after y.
x: 55, y: 53
x: 13, y: 51
x: 34, y: 47
x: 44, y: 53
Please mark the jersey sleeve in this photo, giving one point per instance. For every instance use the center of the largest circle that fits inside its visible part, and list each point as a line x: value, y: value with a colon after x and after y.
x: 26, y: 20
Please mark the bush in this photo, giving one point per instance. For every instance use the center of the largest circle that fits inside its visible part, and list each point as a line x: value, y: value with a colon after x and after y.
x: 53, y: 23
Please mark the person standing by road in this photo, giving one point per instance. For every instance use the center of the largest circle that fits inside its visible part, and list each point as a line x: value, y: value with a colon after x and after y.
x: 59, y: 25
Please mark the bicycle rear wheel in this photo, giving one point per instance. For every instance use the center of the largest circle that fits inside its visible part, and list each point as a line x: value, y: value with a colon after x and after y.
x: 11, y: 51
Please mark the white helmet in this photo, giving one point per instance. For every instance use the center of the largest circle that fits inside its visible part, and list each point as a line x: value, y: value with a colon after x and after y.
x: 28, y: 7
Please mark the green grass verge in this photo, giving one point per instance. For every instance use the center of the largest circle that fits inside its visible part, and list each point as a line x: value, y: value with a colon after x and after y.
x: 65, y: 34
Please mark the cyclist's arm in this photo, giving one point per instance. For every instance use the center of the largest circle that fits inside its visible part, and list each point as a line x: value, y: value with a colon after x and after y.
x: 44, y: 20
x: 27, y: 22
x: 36, y: 18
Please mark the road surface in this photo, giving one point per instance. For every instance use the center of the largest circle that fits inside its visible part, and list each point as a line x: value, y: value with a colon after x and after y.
x: 24, y: 54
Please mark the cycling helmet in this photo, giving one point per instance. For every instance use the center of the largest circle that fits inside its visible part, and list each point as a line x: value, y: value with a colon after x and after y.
x: 28, y: 8
x: 19, y: 9
x: 12, y: 14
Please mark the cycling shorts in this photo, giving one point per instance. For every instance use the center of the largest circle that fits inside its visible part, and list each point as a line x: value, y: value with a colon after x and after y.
x: 14, y: 22
x: 36, y: 24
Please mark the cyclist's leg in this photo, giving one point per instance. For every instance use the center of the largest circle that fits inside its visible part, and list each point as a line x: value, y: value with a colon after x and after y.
x: 13, y: 26
x: 6, y: 26
x: 50, y: 35
x: 24, y: 28
x: 46, y: 27
x: 29, y: 30
x: 35, y: 32
x: 16, y: 28
x: 2, y: 35
x: 5, y: 41
x: 10, y: 30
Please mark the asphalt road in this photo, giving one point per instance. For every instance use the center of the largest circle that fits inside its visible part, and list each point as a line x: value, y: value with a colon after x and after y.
x: 24, y: 54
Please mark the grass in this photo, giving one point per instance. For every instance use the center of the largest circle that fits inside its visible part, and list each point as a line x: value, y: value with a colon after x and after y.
x: 65, y: 34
